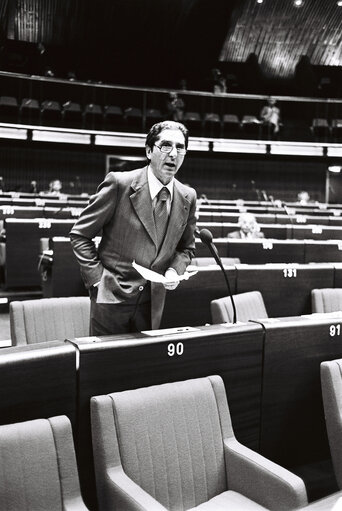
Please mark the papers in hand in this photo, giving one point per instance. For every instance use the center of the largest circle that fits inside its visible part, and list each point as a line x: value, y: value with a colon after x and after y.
x: 157, y: 277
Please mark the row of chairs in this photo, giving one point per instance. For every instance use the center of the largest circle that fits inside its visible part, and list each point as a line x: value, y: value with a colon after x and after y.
x: 251, y: 306
x: 51, y: 319
x: 322, y: 128
x: 115, y: 117
x: 159, y: 448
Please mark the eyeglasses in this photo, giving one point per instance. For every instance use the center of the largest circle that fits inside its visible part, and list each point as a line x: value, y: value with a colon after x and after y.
x: 167, y: 148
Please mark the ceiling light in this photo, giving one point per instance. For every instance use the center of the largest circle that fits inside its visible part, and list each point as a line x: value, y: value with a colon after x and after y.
x: 298, y: 3
x: 335, y: 168
x: 260, y: 1
x: 339, y: 3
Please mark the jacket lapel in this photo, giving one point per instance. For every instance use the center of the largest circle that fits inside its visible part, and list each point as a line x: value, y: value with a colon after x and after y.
x: 141, y: 202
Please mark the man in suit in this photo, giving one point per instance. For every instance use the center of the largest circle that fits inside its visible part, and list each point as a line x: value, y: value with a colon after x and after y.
x: 249, y: 228
x: 147, y: 216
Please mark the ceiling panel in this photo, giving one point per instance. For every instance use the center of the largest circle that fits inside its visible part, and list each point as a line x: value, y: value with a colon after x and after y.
x: 279, y: 33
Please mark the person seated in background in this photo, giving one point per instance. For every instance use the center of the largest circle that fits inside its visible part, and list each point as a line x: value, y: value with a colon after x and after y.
x: 55, y: 187
x: 270, y: 115
x: 303, y: 197
x: 249, y: 228
x: 175, y: 107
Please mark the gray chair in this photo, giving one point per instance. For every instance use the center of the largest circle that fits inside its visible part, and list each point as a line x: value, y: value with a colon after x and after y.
x: 331, y: 379
x: 172, y: 447
x: 326, y: 300
x: 38, y: 470
x: 248, y: 306
x: 49, y: 319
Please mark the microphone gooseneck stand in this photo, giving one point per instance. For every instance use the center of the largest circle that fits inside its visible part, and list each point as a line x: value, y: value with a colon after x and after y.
x: 207, y: 238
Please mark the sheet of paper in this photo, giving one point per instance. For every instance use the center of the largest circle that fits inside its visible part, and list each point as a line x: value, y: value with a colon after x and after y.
x: 157, y: 277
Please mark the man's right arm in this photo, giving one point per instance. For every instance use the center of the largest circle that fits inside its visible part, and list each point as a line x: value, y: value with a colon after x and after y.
x: 92, y: 219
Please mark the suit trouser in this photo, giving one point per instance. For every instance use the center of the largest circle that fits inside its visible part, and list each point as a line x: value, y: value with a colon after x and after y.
x: 133, y: 315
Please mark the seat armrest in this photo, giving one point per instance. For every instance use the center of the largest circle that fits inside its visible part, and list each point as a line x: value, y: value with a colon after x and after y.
x: 127, y: 495
x: 76, y: 504
x: 261, y: 480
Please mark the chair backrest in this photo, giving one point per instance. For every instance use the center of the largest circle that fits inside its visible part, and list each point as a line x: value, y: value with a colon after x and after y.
x: 248, y: 306
x: 38, y: 466
x: 167, y: 438
x: 331, y: 379
x: 49, y: 319
x: 326, y: 300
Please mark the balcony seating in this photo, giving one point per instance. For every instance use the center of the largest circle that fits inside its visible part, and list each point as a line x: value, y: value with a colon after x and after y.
x: 113, y: 117
x: 193, y: 122
x: 72, y: 114
x: 133, y: 118
x: 251, y: 125
x: 212, y: 125
x: 320, y: 128
x: 8, y: 109
x: 92, y: 116
x: 30, y: 111
x: 230, y: 125
x: 51, y: 113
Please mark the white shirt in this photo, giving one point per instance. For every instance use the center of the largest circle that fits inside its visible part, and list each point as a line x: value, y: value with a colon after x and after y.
x: 155, y: 186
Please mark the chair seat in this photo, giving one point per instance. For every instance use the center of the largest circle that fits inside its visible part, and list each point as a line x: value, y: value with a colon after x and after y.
x: 228, y: 500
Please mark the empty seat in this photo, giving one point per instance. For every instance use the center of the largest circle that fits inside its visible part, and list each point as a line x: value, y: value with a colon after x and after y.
x: 320, y: 128
x: 331, y: 379
x: 8, y: 109
x: 72, y: 114
x: 113, y: 117
x: 172, y: 447
x: 248, y: 306
x: 336, y: 128
x: 212, y: 125
x: 193, y: 122
x: 250, y: 125
x: 51, y: 112
x: 230, y: 124
x: 49, y: 319
x: 92, y: 116
x: 133, y: 118
x: 29, y: 110
x: 38, y: 468
x: 153, y: 115
x: 326, y: 300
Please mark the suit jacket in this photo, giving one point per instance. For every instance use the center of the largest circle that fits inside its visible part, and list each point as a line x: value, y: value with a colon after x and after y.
x: 237, y: 235
x: 122, y: 209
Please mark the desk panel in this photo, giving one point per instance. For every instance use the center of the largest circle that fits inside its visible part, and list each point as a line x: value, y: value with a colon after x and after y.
x: 189, y: 303
x: 37, y: 381
x: 63, y: 278
x: 118, y: 363
x: 286, y: 289
x: 323, y: 251
x: 292, y: 425
x: 23, y: 245
x: 266, y: 251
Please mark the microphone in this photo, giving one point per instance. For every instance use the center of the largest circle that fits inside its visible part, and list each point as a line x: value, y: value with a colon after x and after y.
x: 207, y: 238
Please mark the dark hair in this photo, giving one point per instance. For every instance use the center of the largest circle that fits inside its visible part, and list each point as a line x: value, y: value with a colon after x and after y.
x: 156, y: 129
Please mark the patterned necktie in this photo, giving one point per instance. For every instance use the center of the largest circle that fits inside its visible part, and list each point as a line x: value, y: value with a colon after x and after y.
x: 160, y: 214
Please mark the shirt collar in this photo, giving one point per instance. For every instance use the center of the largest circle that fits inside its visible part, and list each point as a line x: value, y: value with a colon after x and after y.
x: 155, y: 185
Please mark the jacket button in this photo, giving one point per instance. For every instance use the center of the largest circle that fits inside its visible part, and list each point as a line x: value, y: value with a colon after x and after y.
x: 141, y: 288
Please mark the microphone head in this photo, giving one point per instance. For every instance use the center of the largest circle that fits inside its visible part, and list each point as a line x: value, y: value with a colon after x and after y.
x: 206, y: 236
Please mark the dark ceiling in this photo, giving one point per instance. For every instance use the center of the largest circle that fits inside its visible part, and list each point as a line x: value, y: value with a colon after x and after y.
x: 158, y: 42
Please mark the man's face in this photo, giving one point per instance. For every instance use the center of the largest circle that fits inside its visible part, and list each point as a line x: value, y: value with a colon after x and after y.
x: 165, y: 165
x: 247, y: 224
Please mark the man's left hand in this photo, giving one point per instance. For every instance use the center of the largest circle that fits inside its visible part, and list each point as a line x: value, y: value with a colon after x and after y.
x: 170, y: 274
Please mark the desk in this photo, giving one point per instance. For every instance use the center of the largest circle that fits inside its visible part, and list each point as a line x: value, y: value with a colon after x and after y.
x: 286, y: 289
x: 323, y: 251
x: 115, y: 363
x: 63, y: 278
x: 189, y: 303
x: 22, y: 247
